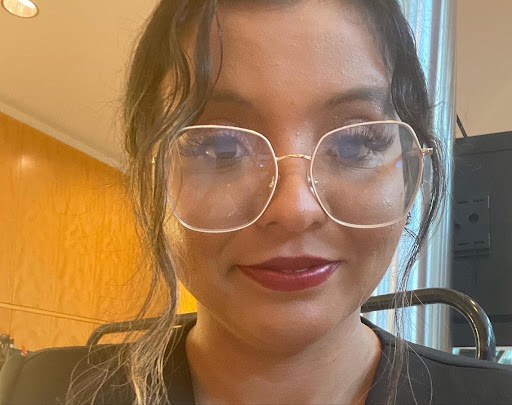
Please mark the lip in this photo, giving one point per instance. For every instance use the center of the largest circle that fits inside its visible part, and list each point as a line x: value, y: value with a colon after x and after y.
x: 291, y: 263
x: 271, y: 275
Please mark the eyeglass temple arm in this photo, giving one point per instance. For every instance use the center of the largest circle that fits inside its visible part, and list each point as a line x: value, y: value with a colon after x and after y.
x: 427, y: 151
x: 424, y: 152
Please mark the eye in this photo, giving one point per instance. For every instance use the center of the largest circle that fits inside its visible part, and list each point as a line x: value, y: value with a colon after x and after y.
x: 359, y: 146
x: 206, y: 149
x: 349, y: 147
x: 223, y: 146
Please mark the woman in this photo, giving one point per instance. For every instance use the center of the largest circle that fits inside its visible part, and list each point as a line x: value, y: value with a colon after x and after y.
x: 276, y: 149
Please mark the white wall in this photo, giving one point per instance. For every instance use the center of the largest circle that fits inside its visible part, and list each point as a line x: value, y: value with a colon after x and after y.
x: 484, y: 65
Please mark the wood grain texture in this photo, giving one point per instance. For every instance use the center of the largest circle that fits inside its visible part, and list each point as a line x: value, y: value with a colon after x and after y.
x: 5, y: 320
x: 11, y: 160
x: 36, y: 280
x: 37, y: 332
x: 187, y: 301
x: 68, y: 240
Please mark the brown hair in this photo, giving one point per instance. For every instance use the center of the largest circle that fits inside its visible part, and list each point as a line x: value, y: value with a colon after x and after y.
x: 154, y: 113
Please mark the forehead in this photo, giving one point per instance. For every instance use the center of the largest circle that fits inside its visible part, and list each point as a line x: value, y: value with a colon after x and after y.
x: 295, y: 53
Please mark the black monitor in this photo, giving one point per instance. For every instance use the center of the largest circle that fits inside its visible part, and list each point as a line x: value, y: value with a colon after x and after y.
x: 482, y: 233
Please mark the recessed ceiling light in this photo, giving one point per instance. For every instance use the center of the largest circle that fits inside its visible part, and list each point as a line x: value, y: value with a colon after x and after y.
x: 20, y: 8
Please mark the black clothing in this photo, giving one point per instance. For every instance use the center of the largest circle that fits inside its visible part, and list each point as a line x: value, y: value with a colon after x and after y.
x: 430, y: 376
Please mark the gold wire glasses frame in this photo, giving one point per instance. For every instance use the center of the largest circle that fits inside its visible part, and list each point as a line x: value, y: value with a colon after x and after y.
x: 312, y: 184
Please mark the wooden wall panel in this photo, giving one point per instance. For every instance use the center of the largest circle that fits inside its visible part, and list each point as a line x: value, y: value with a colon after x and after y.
x: 119, y: 292
x: 37, y: 238
x: 187, y: 301
x: 10, y: 164
x: 78, y: 259
x: 36, y: 331
x: 66, y: 197
x: 69, y: 239
x: 76, y: 201
x: 5, y: 320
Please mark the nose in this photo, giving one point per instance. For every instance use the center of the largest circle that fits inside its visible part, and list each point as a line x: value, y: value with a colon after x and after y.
x: 294, y: 207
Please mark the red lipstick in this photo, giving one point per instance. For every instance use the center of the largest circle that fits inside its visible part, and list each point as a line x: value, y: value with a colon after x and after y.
x: 291, y: 273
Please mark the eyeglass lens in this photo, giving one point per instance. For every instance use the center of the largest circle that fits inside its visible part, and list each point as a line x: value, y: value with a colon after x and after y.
x: 222, y: 178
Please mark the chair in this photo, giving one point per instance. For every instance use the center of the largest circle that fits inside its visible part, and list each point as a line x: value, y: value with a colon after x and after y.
x: 469, y: 308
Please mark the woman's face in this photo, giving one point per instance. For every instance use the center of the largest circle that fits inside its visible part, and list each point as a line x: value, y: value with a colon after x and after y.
x: 292, y: 73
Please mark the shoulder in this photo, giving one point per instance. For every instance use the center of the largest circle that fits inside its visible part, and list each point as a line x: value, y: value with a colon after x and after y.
x: 436, y: 377
x: 44, y: 376
x: 461, y: 379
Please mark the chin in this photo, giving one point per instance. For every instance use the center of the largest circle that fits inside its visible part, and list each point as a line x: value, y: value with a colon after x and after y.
x: 289, y: 329
x: 291, y: 338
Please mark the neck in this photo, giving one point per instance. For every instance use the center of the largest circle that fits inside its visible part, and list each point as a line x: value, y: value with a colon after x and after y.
x: 338, y: 368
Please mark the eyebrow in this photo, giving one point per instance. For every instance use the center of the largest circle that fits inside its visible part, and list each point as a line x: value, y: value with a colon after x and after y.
x: 373, y: 94
x: 222, y: 96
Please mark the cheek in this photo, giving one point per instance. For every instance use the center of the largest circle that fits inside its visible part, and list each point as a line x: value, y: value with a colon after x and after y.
x: 373, y: 196
x: 196, y: 257
x: 373, y: 252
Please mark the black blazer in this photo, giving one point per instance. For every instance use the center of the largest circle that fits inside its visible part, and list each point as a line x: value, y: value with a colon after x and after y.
x: 430, y: 377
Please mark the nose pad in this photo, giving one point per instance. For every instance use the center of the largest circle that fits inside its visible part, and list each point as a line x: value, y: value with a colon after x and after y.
x: 308, y: 177
x: 310, y: 182
x: 290, y: 207
x: 273, y: 182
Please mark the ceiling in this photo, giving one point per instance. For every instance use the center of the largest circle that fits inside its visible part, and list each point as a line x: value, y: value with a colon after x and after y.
x: 62, y: 72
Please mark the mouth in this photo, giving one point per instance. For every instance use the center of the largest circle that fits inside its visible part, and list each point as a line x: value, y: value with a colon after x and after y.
x: 291, y: 273
x: 292, y: 264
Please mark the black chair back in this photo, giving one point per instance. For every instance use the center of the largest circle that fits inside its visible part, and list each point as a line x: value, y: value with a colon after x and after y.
x: 475, y: 315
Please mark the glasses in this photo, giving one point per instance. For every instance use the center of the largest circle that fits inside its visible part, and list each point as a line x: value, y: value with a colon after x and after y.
x: 366, y: 175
